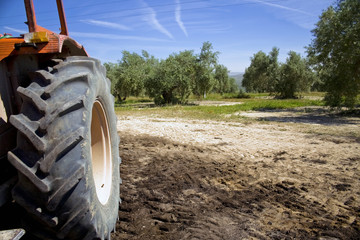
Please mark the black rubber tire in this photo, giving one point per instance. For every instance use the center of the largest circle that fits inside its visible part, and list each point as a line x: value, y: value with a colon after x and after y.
x: 53, y: 157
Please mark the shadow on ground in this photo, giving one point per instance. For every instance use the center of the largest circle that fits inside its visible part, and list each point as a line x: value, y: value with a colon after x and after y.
x: 311, y: 115
x: 177, y: 191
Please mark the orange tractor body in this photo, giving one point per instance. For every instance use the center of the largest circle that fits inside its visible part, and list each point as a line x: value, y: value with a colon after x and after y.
x: 40, y: 40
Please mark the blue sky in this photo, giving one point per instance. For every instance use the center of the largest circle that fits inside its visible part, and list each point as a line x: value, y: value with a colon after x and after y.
x: 236, y: 28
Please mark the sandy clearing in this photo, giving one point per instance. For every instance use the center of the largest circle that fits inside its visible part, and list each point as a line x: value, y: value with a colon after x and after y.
x: 186, y: 179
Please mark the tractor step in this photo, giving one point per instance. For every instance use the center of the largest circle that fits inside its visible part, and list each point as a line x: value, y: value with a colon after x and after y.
x: 12, y: 234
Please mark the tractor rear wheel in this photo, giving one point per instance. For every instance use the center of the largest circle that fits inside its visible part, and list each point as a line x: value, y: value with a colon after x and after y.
x: 67, y: 152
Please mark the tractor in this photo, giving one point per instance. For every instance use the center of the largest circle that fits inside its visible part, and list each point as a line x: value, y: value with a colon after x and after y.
x: 59, y: 147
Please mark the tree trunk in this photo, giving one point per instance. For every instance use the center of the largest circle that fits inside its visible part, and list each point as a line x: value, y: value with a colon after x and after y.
x: 167, y: 96
x: 119, y: 97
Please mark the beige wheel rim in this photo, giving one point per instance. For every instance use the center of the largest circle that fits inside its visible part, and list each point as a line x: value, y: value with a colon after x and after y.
x: 101, y: 153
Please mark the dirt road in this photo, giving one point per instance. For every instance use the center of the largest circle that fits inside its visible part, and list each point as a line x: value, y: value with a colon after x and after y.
x: 185, y: 179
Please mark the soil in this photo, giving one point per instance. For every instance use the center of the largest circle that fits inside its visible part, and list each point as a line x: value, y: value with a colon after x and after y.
x: 193, y: 179
x: 267, y: 179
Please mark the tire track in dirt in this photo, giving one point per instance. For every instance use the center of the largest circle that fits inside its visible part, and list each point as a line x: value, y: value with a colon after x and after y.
x: 174, y: 190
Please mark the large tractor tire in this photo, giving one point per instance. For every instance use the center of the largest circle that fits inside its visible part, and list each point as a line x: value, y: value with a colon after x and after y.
x: 67, y: 152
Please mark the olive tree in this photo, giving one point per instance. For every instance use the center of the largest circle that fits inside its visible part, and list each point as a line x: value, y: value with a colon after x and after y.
x: 206, y: 61
x: 335, y: 52
x: 263, y: 72
x: 172, y: 78
x: 127, y: 76
x: 295, y: 76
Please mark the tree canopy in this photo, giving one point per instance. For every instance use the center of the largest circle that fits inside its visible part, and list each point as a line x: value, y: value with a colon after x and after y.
x: 256, y: 75
x: 295, y: 76
x: 171, y: 80
x: 335, y: 52
x: 204, y: 70
x: 263, y: 72
x: 127, y: 76
x: 285, y: 80
x: 223, y: 83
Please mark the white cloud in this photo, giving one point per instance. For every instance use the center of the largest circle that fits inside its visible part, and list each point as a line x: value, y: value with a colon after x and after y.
x: 302, y: 13
x: 283, y: 7
x: 178, y: 17
x: 150, y: 18
x: 209, y: 27
x: 115, y: 37
x: 106, y: 24
x: 16, y: 30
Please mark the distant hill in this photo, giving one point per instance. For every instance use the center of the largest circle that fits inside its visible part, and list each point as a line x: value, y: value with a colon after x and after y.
x: 238, y: 77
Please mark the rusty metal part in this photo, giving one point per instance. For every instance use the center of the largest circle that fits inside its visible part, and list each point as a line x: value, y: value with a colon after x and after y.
x: 54, y: 42
x: 64, y: 29
x: 55, y: 45
x: 31, y: 18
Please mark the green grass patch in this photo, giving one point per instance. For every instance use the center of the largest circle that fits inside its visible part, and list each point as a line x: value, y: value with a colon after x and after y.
x: 234, y: 96
x: 250, y: 105
x: 314, y: 94
x: 218, y: 112
x: 225, y: 96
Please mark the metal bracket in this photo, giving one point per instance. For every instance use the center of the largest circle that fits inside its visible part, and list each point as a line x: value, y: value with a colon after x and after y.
x: 20, y: 45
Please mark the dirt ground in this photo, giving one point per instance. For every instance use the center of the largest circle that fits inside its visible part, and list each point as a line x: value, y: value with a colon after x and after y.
x: 193, y: 179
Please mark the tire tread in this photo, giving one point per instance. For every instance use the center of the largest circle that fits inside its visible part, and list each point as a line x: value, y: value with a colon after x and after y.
x: 58, y: 201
